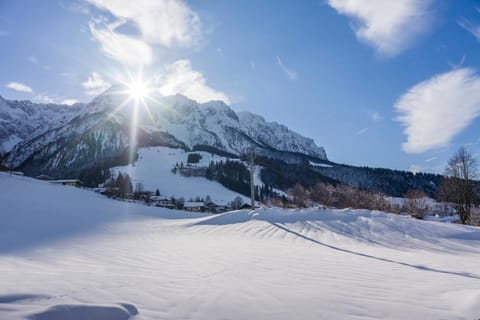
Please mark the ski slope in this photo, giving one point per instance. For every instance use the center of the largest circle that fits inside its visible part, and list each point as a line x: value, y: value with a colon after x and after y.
x: 154, y: 167
x: 67, y: 253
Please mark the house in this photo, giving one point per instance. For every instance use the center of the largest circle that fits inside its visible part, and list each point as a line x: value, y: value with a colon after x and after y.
x: 248, y: 206
x: 218, y: 207
x: 194, y: 206
x: 68, y: 182
x: 163, y: 202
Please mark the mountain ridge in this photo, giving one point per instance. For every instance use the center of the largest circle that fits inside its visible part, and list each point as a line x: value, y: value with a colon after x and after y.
x: 101, y: 130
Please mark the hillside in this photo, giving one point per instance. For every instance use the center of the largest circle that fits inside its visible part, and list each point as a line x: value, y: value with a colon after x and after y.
x: 71, y: 253
x: 153, y: 169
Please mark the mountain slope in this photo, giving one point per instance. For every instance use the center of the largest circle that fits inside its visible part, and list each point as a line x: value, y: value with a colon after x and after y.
x: 102, y: 132
x: 22, y: 120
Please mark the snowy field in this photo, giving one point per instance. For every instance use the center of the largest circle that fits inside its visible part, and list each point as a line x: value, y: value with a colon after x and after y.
x: 67, y: 253
x: 154, y: 167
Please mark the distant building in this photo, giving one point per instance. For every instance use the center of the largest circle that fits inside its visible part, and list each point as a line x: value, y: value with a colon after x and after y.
x: 68, y: 182
x: 194, y: 206
x: 44, y: 177
x: 217, y: 207
x: 163, y: 202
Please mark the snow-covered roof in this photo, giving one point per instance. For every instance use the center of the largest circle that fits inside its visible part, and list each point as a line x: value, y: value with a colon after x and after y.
x: 193, y: 204
x: 158, y: 198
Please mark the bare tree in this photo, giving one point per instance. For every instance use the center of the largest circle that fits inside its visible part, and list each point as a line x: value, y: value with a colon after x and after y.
x: 323, y: 194
x: 458, y: 186
x: 416, y: 203
x: 299, y: 195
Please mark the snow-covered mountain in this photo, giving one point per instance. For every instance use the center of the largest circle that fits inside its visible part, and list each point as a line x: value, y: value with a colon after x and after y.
x: 100, y: 133
x: 21, y: 120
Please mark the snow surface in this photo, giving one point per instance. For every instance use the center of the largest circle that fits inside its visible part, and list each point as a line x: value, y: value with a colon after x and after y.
x: 316, y: 164
x: 68, y: 253
x: 154, y: 167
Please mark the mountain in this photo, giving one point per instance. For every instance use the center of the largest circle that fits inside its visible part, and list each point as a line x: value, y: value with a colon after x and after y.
x: 100, y: 134
x: 22, y: 120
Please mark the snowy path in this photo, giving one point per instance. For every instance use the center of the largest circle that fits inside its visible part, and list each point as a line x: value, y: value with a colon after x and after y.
x: 110, y: 260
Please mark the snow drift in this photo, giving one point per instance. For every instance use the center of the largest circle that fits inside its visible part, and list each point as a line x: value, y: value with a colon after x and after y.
x: 70, y: 253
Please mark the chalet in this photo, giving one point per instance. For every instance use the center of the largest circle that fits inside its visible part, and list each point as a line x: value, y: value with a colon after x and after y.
x: 194, y: 206
x: 163, y: 202
x: 217, y: 207
x: 68, y: 182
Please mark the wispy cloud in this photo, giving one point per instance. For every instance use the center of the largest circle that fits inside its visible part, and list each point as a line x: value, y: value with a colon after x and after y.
x: 17, y: 86
x: 362, y: 131
x: 376, y: 116
x: 431, y: 159
x: 95, y: 84
x: 389, y: 26
x: 166, y: 23
x: 124, y: 49
x: 69, y: 101
x: 32, y: 59
x: 179, y: 77
x: 436, y: 110
x: 163, y: 22
x: 415, y: 168
x: 291, y: 74
x: 44, y: 98
x: 470, y: 27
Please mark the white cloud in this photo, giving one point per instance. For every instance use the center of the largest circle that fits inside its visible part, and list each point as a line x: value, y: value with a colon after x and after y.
x: 291, y: 74
x: 415, y: 168
x: 123, y: 48
x: 436, y: 110
x: 44, y: 98
x: 164, y: 22
x: 431, y: 159
x: 32, y: 59
x: 376, y: 116
x: 158, y: 22
x: 388, y: 25
x: 17, y: 86
x: 95, y: 84
x: 179, y: 77
x: 69, y: 101
x: 470, y: 27
x: 362, y: 131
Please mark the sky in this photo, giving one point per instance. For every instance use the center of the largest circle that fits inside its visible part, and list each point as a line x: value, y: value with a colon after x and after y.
x: 377, y: 83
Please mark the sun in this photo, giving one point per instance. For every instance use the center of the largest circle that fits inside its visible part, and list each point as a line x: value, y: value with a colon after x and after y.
x: 138, y: 90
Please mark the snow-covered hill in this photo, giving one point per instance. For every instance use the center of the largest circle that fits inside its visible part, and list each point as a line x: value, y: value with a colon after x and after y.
x: 102, y: 132
x: 67, y: 253
x: 153, y: 169
x: 20, y: 120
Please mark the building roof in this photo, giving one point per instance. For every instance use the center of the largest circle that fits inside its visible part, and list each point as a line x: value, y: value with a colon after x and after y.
x: 193, y: 204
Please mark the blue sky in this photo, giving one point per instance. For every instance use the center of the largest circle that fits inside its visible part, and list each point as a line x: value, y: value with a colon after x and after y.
x: 380, y: 83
